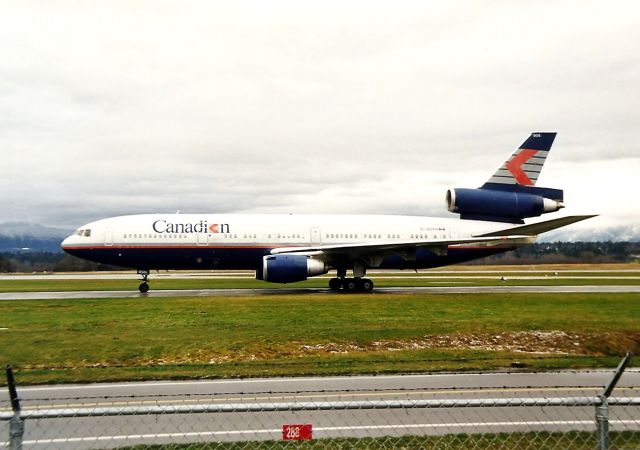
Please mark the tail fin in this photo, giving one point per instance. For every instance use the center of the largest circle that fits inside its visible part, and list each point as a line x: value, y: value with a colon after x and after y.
x: 510, y: 195
x: 525, y: 164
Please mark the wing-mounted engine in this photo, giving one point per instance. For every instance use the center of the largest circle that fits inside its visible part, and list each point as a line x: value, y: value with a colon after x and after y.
x: 504, y: 203
x: 286, y: 268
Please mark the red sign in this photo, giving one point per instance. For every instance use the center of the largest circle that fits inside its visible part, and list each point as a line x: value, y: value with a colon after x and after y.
x: 297, y: 432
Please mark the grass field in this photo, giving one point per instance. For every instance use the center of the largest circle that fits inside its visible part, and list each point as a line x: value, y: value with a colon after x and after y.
x: 194, y: 337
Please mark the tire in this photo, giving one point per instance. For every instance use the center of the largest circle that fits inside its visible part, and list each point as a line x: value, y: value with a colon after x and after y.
x: 144, y: 287
x: 335, y: 284
x: 366, y: 285
x: 350, y: 285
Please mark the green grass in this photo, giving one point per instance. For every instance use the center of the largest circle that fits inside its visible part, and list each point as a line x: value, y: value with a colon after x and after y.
x: 194, y: 337
x: 539, y: 440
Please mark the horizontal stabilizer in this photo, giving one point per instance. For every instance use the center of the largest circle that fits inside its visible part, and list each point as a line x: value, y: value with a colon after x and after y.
x: 537, y: 228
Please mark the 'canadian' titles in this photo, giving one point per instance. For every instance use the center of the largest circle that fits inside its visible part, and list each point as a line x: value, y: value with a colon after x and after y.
x: 164, y: 226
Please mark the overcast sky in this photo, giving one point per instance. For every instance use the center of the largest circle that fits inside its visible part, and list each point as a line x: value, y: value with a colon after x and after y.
x: 110, y: 108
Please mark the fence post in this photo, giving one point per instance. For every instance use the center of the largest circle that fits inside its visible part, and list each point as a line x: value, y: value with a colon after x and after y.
x: 602, y: 423
x: 16, y: 425
x: 602, y: 410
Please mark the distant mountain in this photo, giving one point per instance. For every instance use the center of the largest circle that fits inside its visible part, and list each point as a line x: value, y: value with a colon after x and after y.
x: 620, y: 233
x: 22, y: 236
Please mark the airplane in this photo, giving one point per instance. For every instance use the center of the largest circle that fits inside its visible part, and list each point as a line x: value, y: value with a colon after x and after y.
x: 292, y: 248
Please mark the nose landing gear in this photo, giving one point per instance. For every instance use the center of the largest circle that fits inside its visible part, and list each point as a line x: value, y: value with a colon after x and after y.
x: 144, y: 286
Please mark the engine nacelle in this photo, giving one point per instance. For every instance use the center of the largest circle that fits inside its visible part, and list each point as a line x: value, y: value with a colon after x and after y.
x: 499, y: 205
x: 290, y: 268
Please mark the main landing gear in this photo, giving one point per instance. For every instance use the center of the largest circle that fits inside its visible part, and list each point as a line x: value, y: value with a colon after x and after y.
x: 351, y: 284
x: 355, y: 284
x: 144, y: 286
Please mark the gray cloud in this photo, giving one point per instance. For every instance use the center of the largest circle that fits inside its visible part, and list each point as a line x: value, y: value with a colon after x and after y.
x: 367, y: 107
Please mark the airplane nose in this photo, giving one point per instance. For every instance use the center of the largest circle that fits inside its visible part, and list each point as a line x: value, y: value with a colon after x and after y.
x: 66, y: 242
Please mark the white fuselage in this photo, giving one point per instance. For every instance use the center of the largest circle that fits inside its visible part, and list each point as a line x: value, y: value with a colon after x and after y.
x: 237, y: 241
x: 269, y: 230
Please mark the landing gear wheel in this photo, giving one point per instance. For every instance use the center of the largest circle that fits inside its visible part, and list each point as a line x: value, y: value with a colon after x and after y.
x: 144, y: 286
x: 350, y: 285
x: 335, y: 284
x: 366, y: 285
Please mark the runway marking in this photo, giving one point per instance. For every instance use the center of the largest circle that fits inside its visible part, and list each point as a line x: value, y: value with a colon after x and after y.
x: 277, y: 432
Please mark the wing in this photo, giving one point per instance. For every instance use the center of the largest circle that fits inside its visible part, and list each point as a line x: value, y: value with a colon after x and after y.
x: 374, y: 252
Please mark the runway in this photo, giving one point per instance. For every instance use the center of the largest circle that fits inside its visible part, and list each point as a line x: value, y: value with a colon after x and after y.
x: 69, y: 295
x: 436, y: 385
x: 111, y: 432
x: 249, y: 274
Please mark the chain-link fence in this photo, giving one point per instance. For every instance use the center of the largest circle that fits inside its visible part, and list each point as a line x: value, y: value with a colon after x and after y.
x: 483, y: 418
x: 455, y: 423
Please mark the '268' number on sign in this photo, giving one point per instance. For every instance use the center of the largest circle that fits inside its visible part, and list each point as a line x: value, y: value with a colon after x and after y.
x: 297, y: 432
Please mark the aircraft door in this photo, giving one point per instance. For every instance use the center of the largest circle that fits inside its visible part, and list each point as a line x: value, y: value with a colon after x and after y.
x: 108, y: 237
x: 316, y: 236
x: 203, y: 238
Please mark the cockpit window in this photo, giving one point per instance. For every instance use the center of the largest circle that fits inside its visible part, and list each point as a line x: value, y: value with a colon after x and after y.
x: 86, y: 233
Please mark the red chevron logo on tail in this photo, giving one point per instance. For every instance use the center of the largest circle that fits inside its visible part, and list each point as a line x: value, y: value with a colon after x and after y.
x: 515, y: 166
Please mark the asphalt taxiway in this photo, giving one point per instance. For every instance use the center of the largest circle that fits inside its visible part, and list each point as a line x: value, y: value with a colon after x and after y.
x: 68, y: 295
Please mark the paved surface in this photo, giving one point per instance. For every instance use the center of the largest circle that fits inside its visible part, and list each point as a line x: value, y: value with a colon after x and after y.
x: 466, y: 385
x: 319, y: 291
x: 243, y: 274
x: 112, y: 432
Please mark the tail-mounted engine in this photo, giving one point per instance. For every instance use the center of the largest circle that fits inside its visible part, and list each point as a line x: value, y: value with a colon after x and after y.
x: 287, y: 268
x: 511, y: 203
